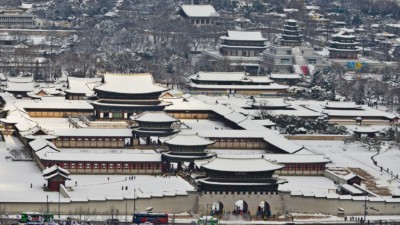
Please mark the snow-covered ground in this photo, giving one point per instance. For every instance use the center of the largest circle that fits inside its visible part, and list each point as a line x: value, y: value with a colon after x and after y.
x: 17, y: 177
x: 355, y: 155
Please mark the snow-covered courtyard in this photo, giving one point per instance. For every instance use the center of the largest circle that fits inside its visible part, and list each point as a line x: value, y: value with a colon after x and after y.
x: 18, y: 176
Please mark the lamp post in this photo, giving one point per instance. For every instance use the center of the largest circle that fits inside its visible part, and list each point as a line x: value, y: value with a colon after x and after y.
x: 134, y: 200
x: 47, y: 204
x: 207, y: 212
x: 126, y: 210
x: 365, y: 206
x: 59, y: 200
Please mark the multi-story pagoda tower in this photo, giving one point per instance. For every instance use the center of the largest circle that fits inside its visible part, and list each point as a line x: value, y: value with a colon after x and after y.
x: 291, y: 34
x: 343, y: 46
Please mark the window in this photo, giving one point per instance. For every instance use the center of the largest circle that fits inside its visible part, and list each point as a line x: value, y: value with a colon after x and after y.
x: 141, y: 166
x: 126, y: 166
x: 96, y: 166
x: 87, y: 165
x: 149, y: 166
x: 103, y: 166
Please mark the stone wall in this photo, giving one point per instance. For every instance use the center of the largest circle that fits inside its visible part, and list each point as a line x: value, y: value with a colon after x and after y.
x: 318, y: 137
x: 285, y: 202
x: 168, y: 204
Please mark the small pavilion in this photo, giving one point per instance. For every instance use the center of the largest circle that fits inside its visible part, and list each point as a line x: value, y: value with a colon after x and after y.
x: 55, y: 176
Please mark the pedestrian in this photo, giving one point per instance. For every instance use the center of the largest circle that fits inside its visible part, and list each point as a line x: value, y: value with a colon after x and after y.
x: 122, y: 188
x: 31, y: 185
x: 126, y: 188
x: 76, y: 183
x: 108, y: 178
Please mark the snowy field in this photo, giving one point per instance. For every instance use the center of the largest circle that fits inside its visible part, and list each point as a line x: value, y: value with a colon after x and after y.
x: 204, y: 125
x: 17, y: 177
x: 356, y: 155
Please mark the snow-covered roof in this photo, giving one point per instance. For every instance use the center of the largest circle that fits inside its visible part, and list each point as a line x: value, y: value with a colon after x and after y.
x: 219, y: 76
x: 154, y: 116
x: 82, y: 85
x: 265, y: 122
x: 312, y: 7
x: 285, y: 76
x: 351, y: 176
x: 296, y: 158
x: 199, y: 10
x: 91, y: 156
x: 25, y: 6
x: 291, y: 21
x: 129, y: 84
x: 366, y: 129
x: 188, y: 140
x: 53, y: 169
x: 64, y: 104
x: 236, y: 164
x: 92, y: 132
x: 351, y: 189
x: 244, y: 36
x: 41, y: 143
x: 343, y: 34
x: 272, y: 86
x: 22, y: 84
x: 230, y: 76
x: 341, y: 105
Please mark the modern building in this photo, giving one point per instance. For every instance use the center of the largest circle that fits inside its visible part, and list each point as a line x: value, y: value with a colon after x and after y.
x: 234, y: 82
x: 343, y: 46
x: 122, y: 95
x: 199, y: 15
x: 15, y: 19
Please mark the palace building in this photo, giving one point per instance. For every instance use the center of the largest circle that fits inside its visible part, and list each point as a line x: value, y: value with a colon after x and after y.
x: 291, y: 34
x: 154, y: 123
x: 235, y: 175
x: 93, y: 138
x: 234, y: 82
x: 80, y: 88
x: 123, y: 95
x: 95, y: 161
x: 187, y: 148
x: 343, y: 46
x: 199, y: 15
x: 242, y: 43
